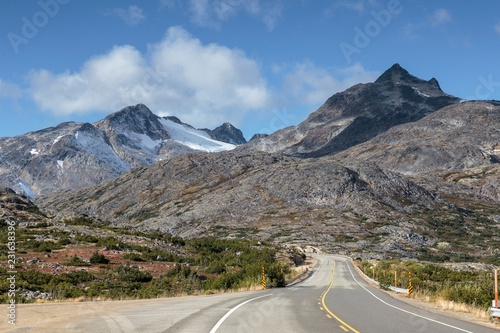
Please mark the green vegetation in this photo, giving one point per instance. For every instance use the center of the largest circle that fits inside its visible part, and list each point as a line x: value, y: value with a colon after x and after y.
x: 130, y: 274
x: 97, y: 258
x: 207, y: 264
x: 237, y: 262
x: 473, y: 288
x: 76, y: 261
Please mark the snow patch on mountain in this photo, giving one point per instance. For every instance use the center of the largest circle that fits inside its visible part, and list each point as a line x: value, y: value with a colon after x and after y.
x: 193, y: 138
x: 421, y: 94
x: 61, y: 164
x: 56, y: 140
x: 149, y: 143
x: 95, y: 144
x: 26, y: 188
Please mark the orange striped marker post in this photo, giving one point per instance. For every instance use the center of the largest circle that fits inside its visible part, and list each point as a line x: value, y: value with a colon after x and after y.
x: 496, y: 291
x: 496, y: 288
x: 395, y: 279
x: 263, y: 278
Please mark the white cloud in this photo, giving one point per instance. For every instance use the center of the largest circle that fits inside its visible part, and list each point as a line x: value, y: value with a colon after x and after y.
x: 311, y: 85
x: 212, y: 13
x: 131, y: 16
x: 9, y: 90
x: 497, y: 28
x: 439, y: 16
x: 203, y: 85
x: 168, y: 3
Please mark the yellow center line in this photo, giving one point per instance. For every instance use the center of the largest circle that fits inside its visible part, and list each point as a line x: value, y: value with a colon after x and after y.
x: 345, y: 329
x: 330, y: 312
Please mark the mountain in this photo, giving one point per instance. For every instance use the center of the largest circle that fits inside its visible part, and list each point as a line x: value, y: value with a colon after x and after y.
x: 357, y: 115
x: 72, y: 155
x: 394, y: 168
x: 456, y: 145
x: 264, y: 194
x: 17, y: 207
x: 258, y: 136
x: 227, y: 133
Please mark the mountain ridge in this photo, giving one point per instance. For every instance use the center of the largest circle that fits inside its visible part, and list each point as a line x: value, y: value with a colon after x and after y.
x: 73, y: 154
x: 357, y: 114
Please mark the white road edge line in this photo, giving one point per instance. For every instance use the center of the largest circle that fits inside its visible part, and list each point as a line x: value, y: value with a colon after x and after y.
x: 216, y: 327
x: 309, y: 279
x: 395, y: 307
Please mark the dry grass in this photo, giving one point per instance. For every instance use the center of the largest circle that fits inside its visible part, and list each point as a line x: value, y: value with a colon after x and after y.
x: 447, y: 305
x: 441, y: 305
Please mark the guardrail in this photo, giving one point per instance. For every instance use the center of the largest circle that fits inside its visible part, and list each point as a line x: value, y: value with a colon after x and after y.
x: 396, y: 289
x: 298, y: 277
x: 495, y: 312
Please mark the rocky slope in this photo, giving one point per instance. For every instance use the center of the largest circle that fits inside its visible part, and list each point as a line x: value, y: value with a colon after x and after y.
x: 270, y: 194
x: 17, y: 207
x: 458, y: 145
x: 73, y: 155
x: 357, y: 115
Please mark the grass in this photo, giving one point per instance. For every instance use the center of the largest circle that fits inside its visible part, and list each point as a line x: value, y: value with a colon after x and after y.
x: 472, y: 288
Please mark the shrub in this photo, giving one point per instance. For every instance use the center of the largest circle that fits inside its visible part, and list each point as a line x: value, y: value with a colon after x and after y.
x: 97, y: 258
x: 75, y: 261
x: 130, y: 274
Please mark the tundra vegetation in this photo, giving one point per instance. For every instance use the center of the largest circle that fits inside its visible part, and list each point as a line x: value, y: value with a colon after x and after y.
x: 205, y: 265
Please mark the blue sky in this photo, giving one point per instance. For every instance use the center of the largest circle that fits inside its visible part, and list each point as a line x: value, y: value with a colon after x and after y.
x: 259, y: 64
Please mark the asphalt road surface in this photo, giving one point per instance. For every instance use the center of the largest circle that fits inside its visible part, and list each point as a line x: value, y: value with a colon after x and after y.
x: 333, y: 299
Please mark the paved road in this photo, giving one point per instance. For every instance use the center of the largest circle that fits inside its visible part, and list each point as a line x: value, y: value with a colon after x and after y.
x: 333, y: 299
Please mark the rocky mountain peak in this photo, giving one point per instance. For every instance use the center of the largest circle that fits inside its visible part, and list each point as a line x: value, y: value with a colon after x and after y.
x: 258, y: 136
x: 174, y: 119
x: 136, y: 118
x: 396, y: 74
x: 435, y: 83
x: 72, y: 155
x: 227, y: 133
x: 358, y: 114
x: 86, y: 127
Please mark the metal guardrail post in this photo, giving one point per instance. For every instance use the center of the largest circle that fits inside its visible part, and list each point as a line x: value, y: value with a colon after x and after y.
x: 495, y: 312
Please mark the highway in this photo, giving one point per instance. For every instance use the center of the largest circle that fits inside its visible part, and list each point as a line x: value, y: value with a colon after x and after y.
x: 333, y: 299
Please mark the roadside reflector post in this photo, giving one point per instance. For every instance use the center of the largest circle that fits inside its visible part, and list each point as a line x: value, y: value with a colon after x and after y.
x: 395, y: 279
x: 496, y: 288
x: 410, y: 288
x: 373, y: 270
x: 263, y: 278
